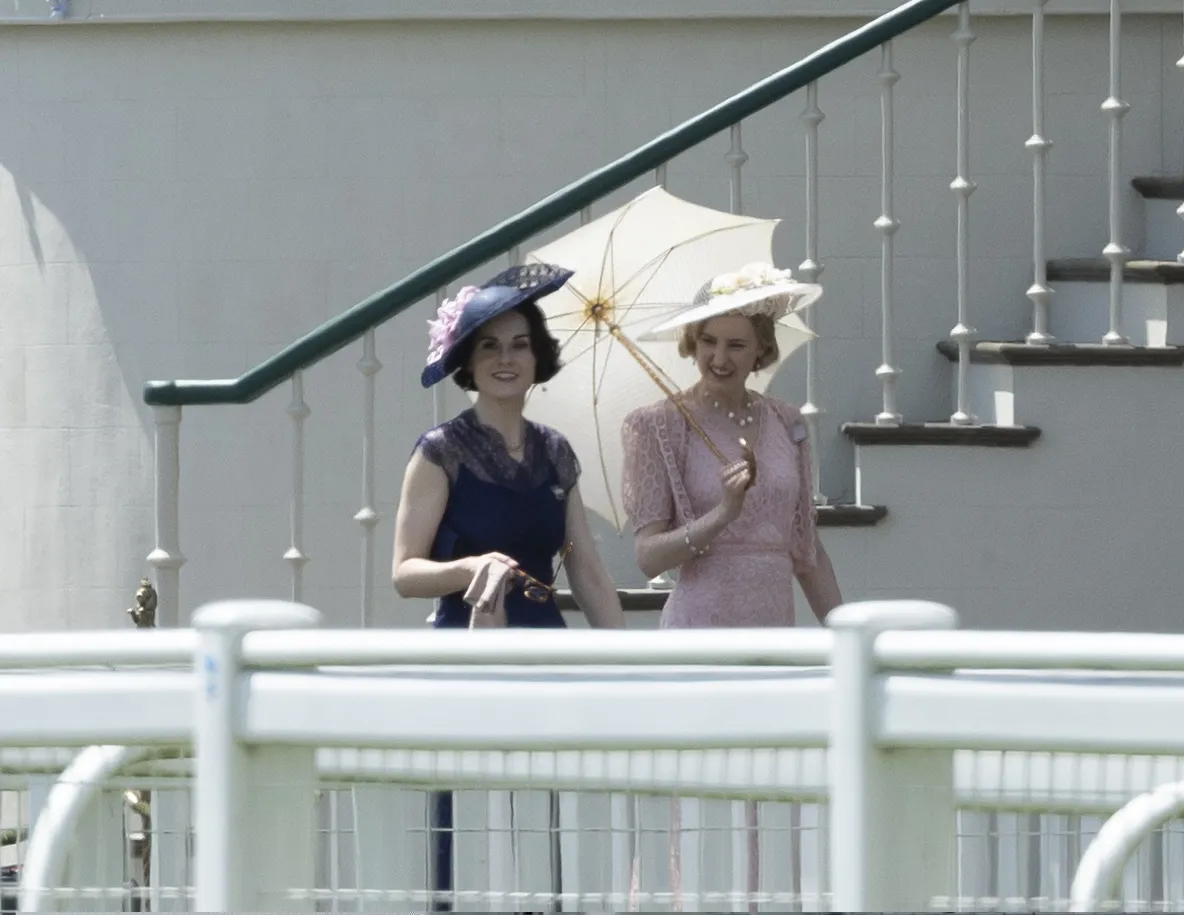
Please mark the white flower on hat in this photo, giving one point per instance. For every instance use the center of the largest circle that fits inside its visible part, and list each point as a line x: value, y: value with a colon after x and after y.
x: 724, y: 284
x: 751, y: 276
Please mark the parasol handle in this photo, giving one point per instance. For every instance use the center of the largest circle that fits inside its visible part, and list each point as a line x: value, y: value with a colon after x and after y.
x: 671, y: 394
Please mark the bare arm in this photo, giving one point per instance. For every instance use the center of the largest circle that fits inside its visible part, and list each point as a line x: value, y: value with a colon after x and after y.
x: 591, y: 584
x: 819, y: 584
x: 660, y: 548
x: 421, y: 507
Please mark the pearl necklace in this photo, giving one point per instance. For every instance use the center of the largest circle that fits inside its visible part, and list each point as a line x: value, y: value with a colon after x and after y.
x: 747, y: 420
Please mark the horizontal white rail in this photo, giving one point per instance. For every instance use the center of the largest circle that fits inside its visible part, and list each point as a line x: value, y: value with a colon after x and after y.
x: 296, y: 648
x: 894, y: 650
x: 995, y: 711
x: 944, y: 650
x: 797, y: 773
x: 105, y: 649
x: 987, y: 780
x: 81, y: 708
x: 557, y: 710
x: 618, y: 706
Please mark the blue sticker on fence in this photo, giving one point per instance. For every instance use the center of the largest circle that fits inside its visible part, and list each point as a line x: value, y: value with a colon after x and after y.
x: 210, y: 666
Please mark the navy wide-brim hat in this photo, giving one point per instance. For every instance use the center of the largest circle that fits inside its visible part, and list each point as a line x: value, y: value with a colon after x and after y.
x: 459, y: 318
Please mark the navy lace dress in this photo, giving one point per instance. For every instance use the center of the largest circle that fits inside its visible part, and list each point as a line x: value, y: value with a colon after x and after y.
x: 498, y: 504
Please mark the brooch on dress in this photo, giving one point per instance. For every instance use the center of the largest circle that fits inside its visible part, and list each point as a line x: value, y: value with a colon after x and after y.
x: 798, y: 431
x: 558, y: 493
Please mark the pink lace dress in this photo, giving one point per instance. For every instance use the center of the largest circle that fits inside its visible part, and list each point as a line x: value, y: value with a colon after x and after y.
x: 746, y: 578
x: 670, y: 475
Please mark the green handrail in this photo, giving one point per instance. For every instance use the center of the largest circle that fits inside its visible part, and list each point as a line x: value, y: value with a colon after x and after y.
x: 349, y: 326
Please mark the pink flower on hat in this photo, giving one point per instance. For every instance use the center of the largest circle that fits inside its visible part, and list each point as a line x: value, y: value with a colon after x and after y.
x: 442, y: 329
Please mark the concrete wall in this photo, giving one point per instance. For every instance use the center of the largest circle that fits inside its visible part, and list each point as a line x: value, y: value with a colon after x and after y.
x: 183, y: 200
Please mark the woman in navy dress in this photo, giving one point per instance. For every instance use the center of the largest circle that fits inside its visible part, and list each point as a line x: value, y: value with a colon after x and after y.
x: 489, y: 498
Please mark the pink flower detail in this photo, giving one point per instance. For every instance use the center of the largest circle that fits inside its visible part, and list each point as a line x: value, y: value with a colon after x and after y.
x: 442, y: 329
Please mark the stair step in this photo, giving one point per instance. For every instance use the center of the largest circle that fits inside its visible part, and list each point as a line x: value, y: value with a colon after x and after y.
x: 851, y: 515
x: 1079, y: 354
x: 1097, y: 270
x: 1152, y: 300
x: 941, y: 433
x: 1159, y: 187
x: 992, y: 382
x: 1163, y: 230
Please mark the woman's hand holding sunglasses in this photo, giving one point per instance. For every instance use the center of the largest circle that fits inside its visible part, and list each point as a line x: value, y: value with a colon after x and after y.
x: 492, y: 574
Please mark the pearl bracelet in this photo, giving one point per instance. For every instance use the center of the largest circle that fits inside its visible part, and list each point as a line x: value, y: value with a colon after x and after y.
x: 695, y: 551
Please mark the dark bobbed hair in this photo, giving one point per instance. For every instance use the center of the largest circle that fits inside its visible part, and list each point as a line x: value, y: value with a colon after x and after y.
x: 544, y: 347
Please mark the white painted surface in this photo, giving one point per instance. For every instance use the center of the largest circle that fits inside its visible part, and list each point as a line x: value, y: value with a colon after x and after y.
x: 36, y: 12
x: 1165, y: 229
x: 184, y: 200
x: 1152, y: 313
x: 1080, y: 531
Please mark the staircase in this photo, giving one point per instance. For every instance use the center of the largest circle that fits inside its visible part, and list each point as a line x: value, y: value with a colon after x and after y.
x: 1042, y: 492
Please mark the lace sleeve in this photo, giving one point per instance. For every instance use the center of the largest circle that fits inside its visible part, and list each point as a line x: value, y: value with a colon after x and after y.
x: 805, y: 513
x: 567, y: 465
x: 645, y: 483
x: 433, y: 445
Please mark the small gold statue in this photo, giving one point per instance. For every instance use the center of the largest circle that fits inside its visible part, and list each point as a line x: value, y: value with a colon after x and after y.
x: 143, y: 614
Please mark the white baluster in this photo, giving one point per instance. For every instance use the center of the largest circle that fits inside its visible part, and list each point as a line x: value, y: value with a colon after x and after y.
x: 887, y: 226
x: 1037, y: 144
x: 295, y: 555
x: 963, y: 333
x: 660, y: 173
x: 166, y: 558
x: 736, y: 157
x: 439, y: 401
x: 810, y: 270
x: 1180, y: 209
x: 585, y: 216
x: 367, y: 516
x: 1115, y: 109
x: 514, y: 256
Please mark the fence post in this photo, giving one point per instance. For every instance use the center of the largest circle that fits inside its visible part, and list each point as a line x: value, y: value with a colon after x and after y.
x: 226, y: 810
x: 892, y: 810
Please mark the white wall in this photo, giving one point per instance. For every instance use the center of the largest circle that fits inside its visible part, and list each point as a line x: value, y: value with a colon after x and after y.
x: 183, y: 200
x: 1080, y: 531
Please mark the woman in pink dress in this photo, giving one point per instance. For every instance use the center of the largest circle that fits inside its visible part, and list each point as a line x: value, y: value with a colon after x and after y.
x: 737, y: 542
x: 739, y: 531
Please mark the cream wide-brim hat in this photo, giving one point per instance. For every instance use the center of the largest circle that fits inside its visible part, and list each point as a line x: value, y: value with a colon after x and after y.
x: 757, y: 289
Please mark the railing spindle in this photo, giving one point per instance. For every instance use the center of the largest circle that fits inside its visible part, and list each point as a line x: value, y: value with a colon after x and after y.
x: 295, y: 556
x: 1038, y: 145
x: 736, y: 157
x: 810, y: 270
x: 660, y: 173
x: 1180, y: 208
x: 367, y: 515
x: 166, y: 559
x: 1115, y: 109
x: 963, y: 333
x: 887, y: 225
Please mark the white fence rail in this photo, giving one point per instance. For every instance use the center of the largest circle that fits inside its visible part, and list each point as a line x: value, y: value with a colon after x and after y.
x: 852, y: 769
